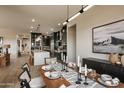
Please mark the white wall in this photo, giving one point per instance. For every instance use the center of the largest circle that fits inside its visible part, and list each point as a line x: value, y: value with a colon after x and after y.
x: 98, y: 15
x: 71, y: 47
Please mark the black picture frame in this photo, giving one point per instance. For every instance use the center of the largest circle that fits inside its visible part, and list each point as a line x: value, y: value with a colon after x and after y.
x: 108, y: 38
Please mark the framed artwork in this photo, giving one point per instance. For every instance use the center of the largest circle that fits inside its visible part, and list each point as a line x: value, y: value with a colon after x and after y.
x: 1, y: 44
x: 1, y: 40
x: 108, y: 38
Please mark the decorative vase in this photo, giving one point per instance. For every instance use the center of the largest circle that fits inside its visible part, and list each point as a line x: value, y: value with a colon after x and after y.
x: 122, y: 60
x: 113, y: 58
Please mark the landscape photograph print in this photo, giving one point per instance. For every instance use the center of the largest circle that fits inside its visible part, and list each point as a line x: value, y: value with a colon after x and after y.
x: 109, y: 38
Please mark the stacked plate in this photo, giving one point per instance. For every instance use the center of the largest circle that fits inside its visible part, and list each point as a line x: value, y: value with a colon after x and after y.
x: 106, y: 77
x: 108, y: 81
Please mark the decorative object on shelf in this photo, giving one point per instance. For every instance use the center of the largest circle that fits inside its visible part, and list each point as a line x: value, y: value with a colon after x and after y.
x: 85, y: 83
x: 108, y: 38
x: 122, y: 60
x: 7, y: 46
x: 113, y: 58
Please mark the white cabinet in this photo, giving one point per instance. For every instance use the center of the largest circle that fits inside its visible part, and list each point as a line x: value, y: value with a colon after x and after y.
x: 39, y: 57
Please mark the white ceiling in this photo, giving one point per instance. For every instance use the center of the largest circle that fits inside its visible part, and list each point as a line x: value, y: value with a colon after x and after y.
x: 48, y: 16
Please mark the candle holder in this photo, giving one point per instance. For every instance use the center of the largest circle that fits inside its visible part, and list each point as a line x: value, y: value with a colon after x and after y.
x: 63, y: 66
x: 85, y: 83
x: 78, y: 80
x: 66, y: 69
x: 78, y: 77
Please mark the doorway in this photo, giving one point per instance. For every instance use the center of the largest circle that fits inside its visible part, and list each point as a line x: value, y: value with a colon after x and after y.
x: 71, y: 50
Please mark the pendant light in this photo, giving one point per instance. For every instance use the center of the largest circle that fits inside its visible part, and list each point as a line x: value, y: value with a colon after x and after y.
x: 83, y: 9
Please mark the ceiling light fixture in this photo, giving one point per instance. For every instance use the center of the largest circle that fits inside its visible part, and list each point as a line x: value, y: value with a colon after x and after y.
x: 51, y: 29
x: 31, y: 27
x: 59, y: 24
x: 88, y: 7
x: 33, y: 20
x: 77, y: 14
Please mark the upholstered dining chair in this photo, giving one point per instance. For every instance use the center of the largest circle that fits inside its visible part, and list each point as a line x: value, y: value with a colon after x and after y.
x: 50, y: 60
x: 36, y: 82
x: 26, y: 66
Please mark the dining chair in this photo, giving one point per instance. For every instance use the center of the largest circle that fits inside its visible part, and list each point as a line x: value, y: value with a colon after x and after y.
x: 36, y: 82
x: 50, y: 60
x: 24, y: 79
x: 26, y: 66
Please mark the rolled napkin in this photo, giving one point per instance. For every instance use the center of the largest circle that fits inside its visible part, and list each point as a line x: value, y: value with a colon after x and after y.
x: 47, y: 74
x: 47, y: 67
x: 115, y: 81
x: 108, y: 83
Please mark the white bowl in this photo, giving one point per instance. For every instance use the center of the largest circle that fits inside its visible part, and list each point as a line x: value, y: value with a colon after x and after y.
x: 106, y: 77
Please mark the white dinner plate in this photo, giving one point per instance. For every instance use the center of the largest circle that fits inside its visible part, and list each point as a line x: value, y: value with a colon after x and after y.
x: 52, y: 75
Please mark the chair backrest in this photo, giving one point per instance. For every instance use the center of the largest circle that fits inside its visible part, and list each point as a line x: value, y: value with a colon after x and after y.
x: 25, y: 75
x: 26, y: 66
x: 50, y: 60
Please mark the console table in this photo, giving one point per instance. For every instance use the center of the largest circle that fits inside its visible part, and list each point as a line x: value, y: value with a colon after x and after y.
x: 2, y: 61
x: 105, y: 67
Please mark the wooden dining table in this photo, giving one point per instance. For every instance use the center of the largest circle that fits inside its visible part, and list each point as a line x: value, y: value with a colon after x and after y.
x: 56, y: 83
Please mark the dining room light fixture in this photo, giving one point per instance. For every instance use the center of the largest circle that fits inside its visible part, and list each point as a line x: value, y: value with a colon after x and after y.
x: 33, y: 20
x: 83, y: 9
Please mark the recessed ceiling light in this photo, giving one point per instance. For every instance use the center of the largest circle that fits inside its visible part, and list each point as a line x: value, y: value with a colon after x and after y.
x: 31, y: 27
x: 59, y: 24
x: 31, y: 31
x: 51, y: 29
x: 33, y: 20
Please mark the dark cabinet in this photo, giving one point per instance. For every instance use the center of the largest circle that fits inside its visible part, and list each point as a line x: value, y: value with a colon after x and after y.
x: 60, y: 43
x: 35, y: 44
x: 105, y: 67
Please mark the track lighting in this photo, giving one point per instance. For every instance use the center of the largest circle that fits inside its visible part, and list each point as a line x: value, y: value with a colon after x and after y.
x: 88, y: 7
x: 77, y: 14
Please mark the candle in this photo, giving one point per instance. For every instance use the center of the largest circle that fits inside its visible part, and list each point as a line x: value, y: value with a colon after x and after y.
x: 78, y: 63
x: 61, y: 56
x: 66, y: 58
x: 80, y: 68
x: 85, y: 70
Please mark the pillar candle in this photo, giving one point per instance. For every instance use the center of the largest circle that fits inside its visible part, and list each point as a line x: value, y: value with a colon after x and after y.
x: 85, y: 70
x: 78, y: 61
x: 61, y: 56
x: 66, y: 58
x: 80, y: 68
